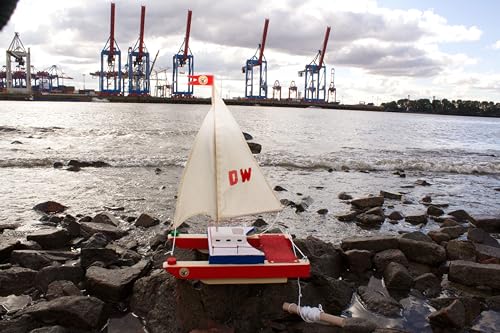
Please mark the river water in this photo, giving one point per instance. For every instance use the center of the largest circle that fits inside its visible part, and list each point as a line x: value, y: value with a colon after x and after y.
x: 459, y: 156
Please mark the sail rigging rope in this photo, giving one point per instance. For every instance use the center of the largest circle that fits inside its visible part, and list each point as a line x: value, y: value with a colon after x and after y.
x: 307, y: 313
x: 171, y: 252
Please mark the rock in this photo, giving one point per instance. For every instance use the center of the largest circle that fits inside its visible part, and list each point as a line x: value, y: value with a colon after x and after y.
x: 422, y: 252
x: 84, y: 164
x: 450, y: 223
x: 488, y: 322
x: 13, y: 303
x: 87, y: 229
x: 417, y: 236
x: 146, y: 221
x: 16, y: 142
x: 450, y: 316
x: 322, y: 256
x: 416, y: 218
x: 471, y: 305
x: 376, y: 211
x: 422, y: 182
x: 157, y: 171
x: 7, y: 245
x: 105, y: 218
x: 359, y: 260
x: 347, y: 216
x: 454, y: 232
x: 442, y: 218
x: 19, y: 324
x: 73, y: 168
x: 438, y: 236
x: 50, y: 207
x: 389, y: 195
x: 487, y: 223
x: 480, y: 236
x: 81, y: 312
x: 304, y: 204
x: 106, y: 256
x: 344, y: 196
x: 426, y: 199
x: 35, y: 259
x: 485, y: 253
x: 247, y: 136
x: 428, y: 284
x: 61, y: 288
x: 493, y: 303
x: 125, y: 324
x: 58, y: 165
x: 49, y: 274
x: 416, y: 269
x: 50, y: 329
x: 460, y: 250
x: 461, y: 215
x: 379, y: 302
x: 395, y: 216
x: 370, y: 219
x: 278, y: 188
x: 8, y: 226
x: 370, y: 243
x: 96, y: 241
x: 358, y: 325
x: 16, y: 280
x: 367, y: 202
x: 474, y: 274
x: 259, y: 223
x: 322, y: 211
x: 50, y: 238
x: 255, y: 148
x: 396, y: 277
x: 383, y: 258
x: 114, y: 284
x: 434, y: 211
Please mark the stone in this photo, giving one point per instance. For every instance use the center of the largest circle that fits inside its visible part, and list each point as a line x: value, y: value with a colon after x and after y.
x: 460, y: 250
x: 379, y: 302
x: 376, y: 211
x: 8, y: 226
x: 50, y: 207
x: 478, y: 235
x: 451, y: 316
x: 247, y: 136
x: 7, y: 245
x: 438, y: 236
x: 396, y: 277
x: 49, y: 274
x: 50, y: 238
x: 62, y: 288
x: 14, y: 303
x: 390, y: 195
x: 461, y: 215
x: 344, y: 196
x: 50, y: 329
x: 105, y: 218
x: 58, y: 165
x: 255, y: 148
x: 417, y: 236
x: 347, y: 216
x: 278, y: 188
x: 359, y: 260
x: 322, y: 255
x: 416, y: 269
x: 487, y: 223
x: 426, y: 199
x: 106, y: 256
x: 18, y: 324
x: 114, y: 284
x: 358, y: 325
x: 81, y: 312
x: 35, y: 259
x: 96, y: 241
x: 383, y: 258
x: 422, y: 182
x: 146, y: 221
x: 434, y: 211
x: 454, y: 232
x: 428, y: 284
x: 304, y: 204
x: 475, y: 274
x: 493, y: 303
x: 485, y: 253
x: 370, y: 243
x: 368, y: 202
x: 16, y: 280
x: 125, y: 324
x: 85, y: 164
x: 422, y: 252
x: 395, y: 216
x: 87, y: 229
x: 472, y: 306
x: 370, y: 219
x: 416, y: 218
x: 322, y: 211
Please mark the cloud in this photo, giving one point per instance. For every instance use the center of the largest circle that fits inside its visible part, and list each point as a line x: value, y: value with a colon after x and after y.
x: 496, y: 45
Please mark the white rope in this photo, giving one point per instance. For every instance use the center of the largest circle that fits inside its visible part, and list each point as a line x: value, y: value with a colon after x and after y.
x: 171, y: 252
x: 307, y: 313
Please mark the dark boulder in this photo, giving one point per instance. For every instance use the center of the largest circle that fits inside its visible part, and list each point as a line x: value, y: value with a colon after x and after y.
x: 395, y: 216
x: 370, y: 243
x: 390, y: 195
x: 103, y: 255
x: 16, y: 280
x: 422, y: 252
x: 379, y: 302
x: 255, y: 148
x: 478, y: 235
x: 51, y: 329
x: 396, y: 277
x: 18, y: 324
x: 87, y: 229
x: 105, y: 218
x: 416, y: 218
x: 434, y: 211
x: 62, y: 288
x: 35, y: 259
x: 7, y: 245
x: 322, y: 211
x: 323, y: 256
x: 383, y: 258
x: 304, y: 204
x: 460, y: 250
x: 368, y: 202
x: 50, y: 238
x: 358, y: 325
x: 50, y: 207
x: 347, y: 216
x: 47, y: 275
x: 461, y: 215
x: 428, y: 284
x: 359, y: 261
x: 452, y: 316
x: 247, y: 136
x: 454, y: 232
x: 125, y: 324
x: 487, y: 223
x: 487, y: 254
x: 417, y: 236
x: 474, y: 274
x: 370, y: 220
x: 96, y: 241
x: 84, y: 164
x: 278, y: 188
x: 146, y: 221
x: 438, y: 236
x: 344, y: 196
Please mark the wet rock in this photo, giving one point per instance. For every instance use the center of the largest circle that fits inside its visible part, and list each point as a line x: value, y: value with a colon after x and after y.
x: 50, y: 329
x: 485, y: 253
x: 157, y: 171
x: 358, y: 325
x: 450, y: 316
x: 422, y: 182
x: 474, y: 274
x: 58, y: 165
x: 347, y: 216
x: 416, y: 218
x: 19, y: 324
x: 370, y: 243
x: 417, y: 236
x: 322, y: 255
x: 106, y: 256
x: 278, y: 188
x: 81, y: 312
x: 247, y: 136
x: 105, y: 218
x: 460, y: 250
x: 370, y: 219
x: 493, y: 303
x: 383, y: 258
x: 96, y: 241
x: 50, y: 238
x: 390, y: 195
x: 13, y: 303
x: 16, y: 280
x: 428, y: 284
x: 16, y: 142
x: 487, y: 223
x: 454, y: 232
x: 416, y: 269
x: 471, y: 305
x: 322, y: 211
x: 49, y: 274
x: 304, y: 204
x: 73, y: 168
x: 255, y: 148
x: 8, y: 226
x: 376, y: 211
x: 450, y: 223
x: 259, y: 223
x: 379, y: 302
x: 396, y: 277
x: 125, y: 324
x: 50, y: 207
x: 146, y: 221
x: 395, y: 216
x: 480, y: 236
x: 434, y: 211
x: 62, y: 288
x: 460, y: 215
x: 84, y: 164
x: 368, y: 202
x: 438, y: 236
x: 7, y: 245
x: 422, y: 252
x: 344, y: 196
x: 35, y: 259
x: 359, y: 260
x: 114, y: 284
x: 88, y: 229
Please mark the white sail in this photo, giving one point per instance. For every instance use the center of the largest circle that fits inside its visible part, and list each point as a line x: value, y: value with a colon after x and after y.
x: 222, y: 179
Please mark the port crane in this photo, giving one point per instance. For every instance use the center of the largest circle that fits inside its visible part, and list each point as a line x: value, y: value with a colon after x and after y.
x: 332, y: 90
x: 19, y: 79
x: 183, y: 59
x: 261, y: 74
x: 138, y: 64
x: 110, y: 76
x: 315, y: 75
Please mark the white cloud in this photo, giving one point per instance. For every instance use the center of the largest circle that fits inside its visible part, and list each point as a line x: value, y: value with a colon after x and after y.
x: 496, y: 45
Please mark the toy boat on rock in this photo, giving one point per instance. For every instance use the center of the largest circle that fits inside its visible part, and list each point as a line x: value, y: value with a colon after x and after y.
x: 223, y: 180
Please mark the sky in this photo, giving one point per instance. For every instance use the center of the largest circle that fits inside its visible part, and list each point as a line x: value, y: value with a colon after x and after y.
x: 381, y: 50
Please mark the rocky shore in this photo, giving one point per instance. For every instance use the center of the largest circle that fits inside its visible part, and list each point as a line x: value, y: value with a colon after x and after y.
x: 92, y: 274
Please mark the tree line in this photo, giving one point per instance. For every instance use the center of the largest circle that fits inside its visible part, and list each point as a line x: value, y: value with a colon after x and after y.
x: 456, y: 107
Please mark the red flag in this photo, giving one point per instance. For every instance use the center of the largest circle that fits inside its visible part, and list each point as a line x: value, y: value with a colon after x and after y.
x: 201, y: 80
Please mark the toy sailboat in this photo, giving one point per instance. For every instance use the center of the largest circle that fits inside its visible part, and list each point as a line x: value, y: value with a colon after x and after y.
x: 223, y: 180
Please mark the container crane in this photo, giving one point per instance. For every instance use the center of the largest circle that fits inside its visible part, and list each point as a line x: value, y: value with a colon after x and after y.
x: 332, y: 90
x: 277, y: 90
x: 292, y: 91
x: 183, y: 58
x: 138, y: 64
x: 260, y: 62
x: 19, y: 80
x: 110, y: 76
x: 315, y: 75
